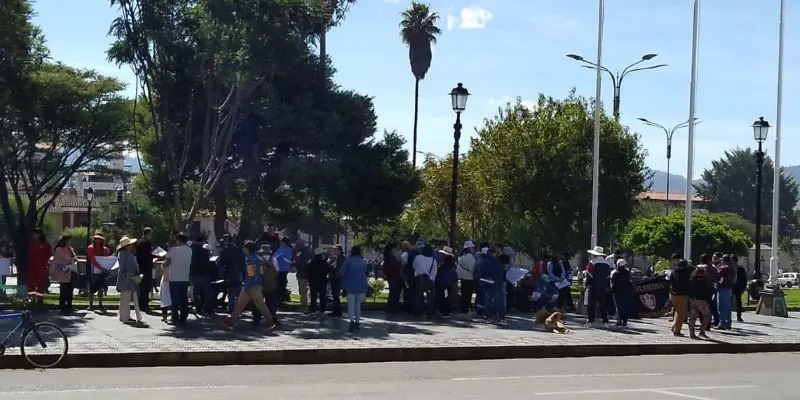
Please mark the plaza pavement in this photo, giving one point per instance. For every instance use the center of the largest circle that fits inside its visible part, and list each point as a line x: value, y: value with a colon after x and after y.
x: 102, y: 341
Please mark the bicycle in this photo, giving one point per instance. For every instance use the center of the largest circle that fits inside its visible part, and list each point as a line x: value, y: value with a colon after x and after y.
x: 34, y: 335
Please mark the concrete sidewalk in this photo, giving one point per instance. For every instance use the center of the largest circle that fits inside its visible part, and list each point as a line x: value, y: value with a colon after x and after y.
x: 103, y: 341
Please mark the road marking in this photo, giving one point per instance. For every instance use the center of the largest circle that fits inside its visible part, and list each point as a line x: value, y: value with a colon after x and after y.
x: 566, y: 376
x: 684, y: 395
x: 642, y: 390
x: 122, y: 389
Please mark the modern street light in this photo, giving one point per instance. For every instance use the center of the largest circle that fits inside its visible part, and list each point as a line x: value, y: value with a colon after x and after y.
x: 669, y: 133
x: 760, y: 130
x: 89, y: 269
x: 687, y: 214
x: 458, y: 96
x: 616, y: 79
x: 776, y: 180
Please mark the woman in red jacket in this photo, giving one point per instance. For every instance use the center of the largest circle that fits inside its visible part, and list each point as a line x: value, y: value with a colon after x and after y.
x: 39, y: 253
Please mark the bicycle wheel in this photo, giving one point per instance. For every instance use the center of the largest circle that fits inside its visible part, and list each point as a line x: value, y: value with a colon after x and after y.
x: 44, y: 345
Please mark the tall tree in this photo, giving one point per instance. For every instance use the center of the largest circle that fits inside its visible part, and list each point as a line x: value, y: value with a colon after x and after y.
x: 54, y: 121
x: 730, y: 186
x: 419, y: 32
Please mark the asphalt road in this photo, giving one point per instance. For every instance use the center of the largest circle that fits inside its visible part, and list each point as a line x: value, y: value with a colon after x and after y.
x: 702, y: 377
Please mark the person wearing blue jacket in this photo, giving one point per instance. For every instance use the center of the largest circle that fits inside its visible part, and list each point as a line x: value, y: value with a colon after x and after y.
x: 354, y: 282
x: 493, y: 275
x: 252, y: 283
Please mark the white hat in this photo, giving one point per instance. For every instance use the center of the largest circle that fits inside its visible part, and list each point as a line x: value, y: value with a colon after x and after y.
x: 446, y: 250
x: 597, y: 251
x: 621, y: 262
x: 485, y: 250
x: 125, y: 242
x: 468, y: 244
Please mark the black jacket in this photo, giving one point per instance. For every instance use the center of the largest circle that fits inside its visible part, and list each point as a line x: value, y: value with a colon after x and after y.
x: 231, y: 262
x: 679, y: 281
x: 318, y: 269
x: 201, y: 265
x: 621, y: 281
x: 144, y: 255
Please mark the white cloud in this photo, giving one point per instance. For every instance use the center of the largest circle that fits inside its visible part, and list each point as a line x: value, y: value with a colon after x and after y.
x: 501, y: 102
x: 473, y: 17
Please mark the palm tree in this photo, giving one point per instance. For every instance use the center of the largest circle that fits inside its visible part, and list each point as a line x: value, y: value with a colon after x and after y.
x: 419, y: 31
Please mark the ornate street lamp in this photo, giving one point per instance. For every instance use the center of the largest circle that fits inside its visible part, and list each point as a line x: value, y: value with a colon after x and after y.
x: 760, y: 131
x: 458, y: 96
x: 89, y: 269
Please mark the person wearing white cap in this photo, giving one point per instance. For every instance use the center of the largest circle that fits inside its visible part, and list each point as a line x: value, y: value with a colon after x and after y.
x: 622, y: 290
x: 128, y: 280
x: 466, y: 275
x: 597, y: 286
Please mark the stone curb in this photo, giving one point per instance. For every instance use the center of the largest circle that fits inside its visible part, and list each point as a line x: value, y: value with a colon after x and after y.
x: 395, y: 354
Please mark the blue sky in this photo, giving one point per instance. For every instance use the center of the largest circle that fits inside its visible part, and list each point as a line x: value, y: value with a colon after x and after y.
x: 502, y: 49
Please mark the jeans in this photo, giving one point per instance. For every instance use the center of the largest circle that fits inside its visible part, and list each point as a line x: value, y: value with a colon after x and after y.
x: 179, y: 294
x: 336, y: 294
x: 424, y: 301
x: 496, y: 302
x: 354, y: 306
x: 318, y: 291
x: 234, y: 288
x: 395, y: 289
x: 467, y: 290
x: 724, y: 297
x: 623, y: 302
x: 202, y: 295
x: 65, y: 294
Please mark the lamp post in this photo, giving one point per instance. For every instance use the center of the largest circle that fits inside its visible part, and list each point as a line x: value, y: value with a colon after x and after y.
x: 687, y: 214
x: 458, y: 96
x: 669, y: 133
x: 89, y: 198
x: 760, y: 130
x: 616, y: 79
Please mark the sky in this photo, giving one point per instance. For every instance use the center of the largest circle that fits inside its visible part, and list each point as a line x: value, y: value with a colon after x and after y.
x: 504, y: 49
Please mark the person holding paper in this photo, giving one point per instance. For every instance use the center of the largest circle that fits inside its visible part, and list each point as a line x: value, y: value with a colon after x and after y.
x: 558, y: 272
x: 98, y: 274
x: 493, y: 279
x: 144, y: 256
x: 63, y: 257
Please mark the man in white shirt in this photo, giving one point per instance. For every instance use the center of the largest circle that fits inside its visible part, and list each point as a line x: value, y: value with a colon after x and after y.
x: 176, y: 269
x: 466, y: 275
x: 425, y: 268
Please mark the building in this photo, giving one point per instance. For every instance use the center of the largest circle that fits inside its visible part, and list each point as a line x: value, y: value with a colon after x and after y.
x: 103, y: 184
x: 673, y: 199
x: 67, y: 211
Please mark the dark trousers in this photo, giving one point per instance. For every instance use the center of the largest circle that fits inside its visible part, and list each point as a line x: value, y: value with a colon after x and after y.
x: 336, y: 294
x: 565, y: 299
x: 737, y: 300
x: 271, y: 299
x: 623, y: 303
x: 65, y: 294
x: 598, y: 300
x: 202, y: 294
x: 234, y: 289
x: 283, y: 286
x: 395, y: 290
x: 319, y: 295
x: 409, y: 295
x: 145, y: 288
x: 467, y: 290
x: 714, y: 310
x: 443, y: 295
x: 510, y: 296
x: 179, y: 294
x: 424, y: 302
x: 480, y: 298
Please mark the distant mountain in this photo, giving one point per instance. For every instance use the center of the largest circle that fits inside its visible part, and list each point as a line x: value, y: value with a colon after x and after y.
x: 677, y: 183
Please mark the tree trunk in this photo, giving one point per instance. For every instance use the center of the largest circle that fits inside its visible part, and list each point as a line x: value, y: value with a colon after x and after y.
x: 248, y: 205
x: 416, y: 118
x: 220, y: 210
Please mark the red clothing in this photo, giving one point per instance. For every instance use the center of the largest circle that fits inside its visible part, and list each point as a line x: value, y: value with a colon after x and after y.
x: 91, y: 253
x: 39, y: 253
x: 392, y: 268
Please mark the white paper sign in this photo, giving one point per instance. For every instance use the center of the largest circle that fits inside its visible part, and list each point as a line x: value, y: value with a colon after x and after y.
x: 514, y: 274
x: 107, y: 263
x: 562, y: 284
x: 159, y: 252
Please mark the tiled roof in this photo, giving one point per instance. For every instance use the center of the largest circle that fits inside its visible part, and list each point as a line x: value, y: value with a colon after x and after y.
x: 66, y: 202
x: 662, y: 196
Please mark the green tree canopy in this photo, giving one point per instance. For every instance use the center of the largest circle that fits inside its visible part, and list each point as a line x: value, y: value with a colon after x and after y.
x: 663, y: 235
x: 527, y: 179
x: 730, y: 186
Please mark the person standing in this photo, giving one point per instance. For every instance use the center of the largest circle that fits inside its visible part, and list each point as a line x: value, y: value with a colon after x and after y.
x: 558, y: 272
x: 622, y: 290
x: 63, y: 257
x: 393, y: 272
x: 200, y: 275
x: 39, y: 253
x: 303, y: 256
x: 465, y: 268
x: 252, y: 289
x: 318, y: 270
x: 99, y: 275
x: 699, y: 298
x: 598, y: 274
x: 177, y: 269
x: 679, y: 295
x: 144, y: 256
x: 231, y: 265
x: 128, y: 279
x: 446, y: 282
x: 739, y: 287
x: 425, y: 270
x: 335, y: 278
x: 492, y: 273
x: 726, y: 274
x: 710, y: 273
x: 283, y: 255
x: 354, y: 281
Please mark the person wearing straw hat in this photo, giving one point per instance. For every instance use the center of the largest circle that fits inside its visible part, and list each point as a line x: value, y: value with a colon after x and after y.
x: 128, y: 280
x: 465, y: 269
x: 598, y: 286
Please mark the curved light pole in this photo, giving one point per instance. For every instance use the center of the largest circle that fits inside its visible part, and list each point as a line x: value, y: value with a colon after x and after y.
x: 669, y: 133
x: 616, y: 79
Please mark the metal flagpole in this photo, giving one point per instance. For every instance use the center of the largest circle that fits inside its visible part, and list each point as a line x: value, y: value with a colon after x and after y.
x: 687, y: 239
x: 597, y: 110
x: 776, y: 182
